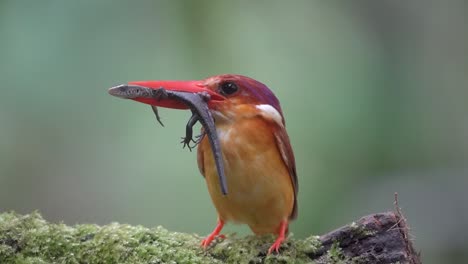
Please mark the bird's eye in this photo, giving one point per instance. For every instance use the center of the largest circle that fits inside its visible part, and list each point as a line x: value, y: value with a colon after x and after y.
x: 228, y: 88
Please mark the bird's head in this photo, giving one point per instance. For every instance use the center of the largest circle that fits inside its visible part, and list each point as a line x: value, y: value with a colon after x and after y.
x: 244, y: 97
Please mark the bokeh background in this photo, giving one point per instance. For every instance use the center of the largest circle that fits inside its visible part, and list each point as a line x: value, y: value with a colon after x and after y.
x: 374, y: 94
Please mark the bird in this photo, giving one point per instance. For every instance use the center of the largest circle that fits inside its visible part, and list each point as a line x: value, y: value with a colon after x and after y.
x: 256, y: 159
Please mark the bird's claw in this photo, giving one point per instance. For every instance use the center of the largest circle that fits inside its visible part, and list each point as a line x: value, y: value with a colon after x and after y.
x: 276, y: 246
x: 207, y: 241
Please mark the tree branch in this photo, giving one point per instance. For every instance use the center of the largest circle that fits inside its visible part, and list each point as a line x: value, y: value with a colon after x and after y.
x: 378, y: 238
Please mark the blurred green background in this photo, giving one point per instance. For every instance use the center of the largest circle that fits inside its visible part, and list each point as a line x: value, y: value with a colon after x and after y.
x: 374, y: 94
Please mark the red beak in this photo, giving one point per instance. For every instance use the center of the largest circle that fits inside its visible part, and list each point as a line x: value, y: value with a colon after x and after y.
x: 179, y: 86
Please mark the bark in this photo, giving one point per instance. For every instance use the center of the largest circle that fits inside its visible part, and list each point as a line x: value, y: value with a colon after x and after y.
x: 377, y: 238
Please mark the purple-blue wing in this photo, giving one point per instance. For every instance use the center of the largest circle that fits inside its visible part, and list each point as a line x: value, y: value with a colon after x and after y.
x: 284, y: 146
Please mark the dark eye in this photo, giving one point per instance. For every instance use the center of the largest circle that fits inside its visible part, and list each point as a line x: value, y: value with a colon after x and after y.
x: 228, y: 88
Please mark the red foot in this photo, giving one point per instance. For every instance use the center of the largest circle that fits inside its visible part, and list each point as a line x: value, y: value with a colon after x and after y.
x: 281, y: 237
x: 207, y: 241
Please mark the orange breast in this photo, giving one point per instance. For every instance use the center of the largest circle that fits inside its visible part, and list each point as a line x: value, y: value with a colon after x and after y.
x: 260, y: 192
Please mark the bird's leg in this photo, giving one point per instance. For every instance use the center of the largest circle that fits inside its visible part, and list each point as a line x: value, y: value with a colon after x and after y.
x: 283, y: 228
x: 206, y: 242
x: 189, y: 132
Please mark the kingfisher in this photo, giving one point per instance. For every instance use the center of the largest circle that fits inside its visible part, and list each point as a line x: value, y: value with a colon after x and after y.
x: 244, y: 152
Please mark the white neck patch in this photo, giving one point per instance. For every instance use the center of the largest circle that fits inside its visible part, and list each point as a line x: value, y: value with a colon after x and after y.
x: 269, y: 112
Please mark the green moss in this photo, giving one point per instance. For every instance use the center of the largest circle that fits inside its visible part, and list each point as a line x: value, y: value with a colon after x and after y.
x: 335, y: 254
x: 30, y: 239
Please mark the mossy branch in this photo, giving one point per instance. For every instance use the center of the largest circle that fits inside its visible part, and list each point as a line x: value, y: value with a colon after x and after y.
x: 378, y: 238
